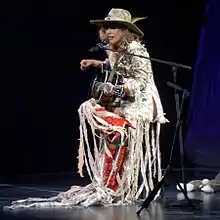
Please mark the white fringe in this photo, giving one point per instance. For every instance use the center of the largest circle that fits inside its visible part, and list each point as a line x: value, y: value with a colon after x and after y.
x: 140, y: 168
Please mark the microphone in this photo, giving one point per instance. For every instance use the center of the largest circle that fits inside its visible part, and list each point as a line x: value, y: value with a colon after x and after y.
x: 178, y: 88
x: 98, y: 46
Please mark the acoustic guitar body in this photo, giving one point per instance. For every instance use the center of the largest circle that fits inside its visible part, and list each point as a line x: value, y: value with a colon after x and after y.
x: 99, y: 95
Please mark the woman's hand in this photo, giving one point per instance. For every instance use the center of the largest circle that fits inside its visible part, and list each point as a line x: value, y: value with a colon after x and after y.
x: 84, y: 64
x: 108, y: 89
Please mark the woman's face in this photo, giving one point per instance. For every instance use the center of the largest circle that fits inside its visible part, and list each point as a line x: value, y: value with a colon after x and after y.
x: 114, y: 35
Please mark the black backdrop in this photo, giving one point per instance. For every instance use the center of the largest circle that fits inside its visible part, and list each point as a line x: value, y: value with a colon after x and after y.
x: 42, y: 86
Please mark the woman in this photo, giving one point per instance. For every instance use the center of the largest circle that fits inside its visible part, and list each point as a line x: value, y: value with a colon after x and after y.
x: 126, y: 157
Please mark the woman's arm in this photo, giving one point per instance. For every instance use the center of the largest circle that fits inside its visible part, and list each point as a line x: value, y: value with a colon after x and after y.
x: 84, y: 64
x: 97, y: 63
x: 141, y: 70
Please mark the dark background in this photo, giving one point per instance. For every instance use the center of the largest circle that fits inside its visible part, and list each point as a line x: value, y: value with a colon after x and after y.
x: 42, y: 86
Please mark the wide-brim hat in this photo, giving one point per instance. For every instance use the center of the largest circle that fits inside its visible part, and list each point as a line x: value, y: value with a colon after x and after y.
x: 122, y: 17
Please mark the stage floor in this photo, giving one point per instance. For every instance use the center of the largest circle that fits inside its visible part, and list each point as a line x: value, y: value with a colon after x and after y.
x: 173, y: 206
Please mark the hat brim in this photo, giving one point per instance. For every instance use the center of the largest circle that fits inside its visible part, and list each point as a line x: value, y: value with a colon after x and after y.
x: 132, y: 27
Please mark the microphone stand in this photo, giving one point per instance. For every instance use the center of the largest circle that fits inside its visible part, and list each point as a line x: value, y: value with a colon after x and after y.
x: 178, y: 131
x: 102, y: 46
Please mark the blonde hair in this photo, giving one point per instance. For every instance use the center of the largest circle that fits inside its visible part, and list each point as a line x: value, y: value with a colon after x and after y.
x: 128, y: 36
x: 102, y: 34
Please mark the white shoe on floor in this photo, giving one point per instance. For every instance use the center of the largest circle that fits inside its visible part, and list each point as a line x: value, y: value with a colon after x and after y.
x: 189, y: 187
x: 207, y: 189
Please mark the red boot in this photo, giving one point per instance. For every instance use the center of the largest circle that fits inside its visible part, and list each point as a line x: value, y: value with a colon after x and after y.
x: 108, y: 167
x: 113, y: 184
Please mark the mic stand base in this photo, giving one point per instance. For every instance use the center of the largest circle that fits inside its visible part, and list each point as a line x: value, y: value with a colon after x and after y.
x: 160, y: 185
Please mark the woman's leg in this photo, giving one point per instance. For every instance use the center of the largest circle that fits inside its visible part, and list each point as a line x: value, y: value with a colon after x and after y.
x: 118, y: 150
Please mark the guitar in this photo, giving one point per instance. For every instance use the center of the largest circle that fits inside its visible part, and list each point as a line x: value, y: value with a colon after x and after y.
x: 99, y: 86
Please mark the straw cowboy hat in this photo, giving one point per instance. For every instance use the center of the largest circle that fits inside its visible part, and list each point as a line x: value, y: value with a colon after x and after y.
x: 122, y: 17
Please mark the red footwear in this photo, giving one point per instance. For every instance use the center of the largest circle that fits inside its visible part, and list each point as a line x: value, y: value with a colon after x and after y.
x: 111, y: 180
